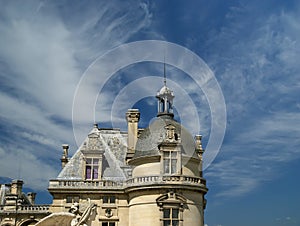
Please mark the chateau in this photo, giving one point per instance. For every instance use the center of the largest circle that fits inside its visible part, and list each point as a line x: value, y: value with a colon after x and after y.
x: 151, y: 177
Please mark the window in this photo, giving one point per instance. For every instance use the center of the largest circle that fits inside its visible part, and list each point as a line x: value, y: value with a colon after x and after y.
x: 72, y: 199
x: 170, y: 162
x: 109, y: 199
x: 170, y: 217
x: 91, y: 168
x: 171, y: 206
x: 108, y: 223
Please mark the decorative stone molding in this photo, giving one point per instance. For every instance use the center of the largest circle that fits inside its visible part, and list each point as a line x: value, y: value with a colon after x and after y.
x: 133, y: 115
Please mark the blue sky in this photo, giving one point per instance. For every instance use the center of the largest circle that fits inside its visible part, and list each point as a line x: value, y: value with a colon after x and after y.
x: 253, y: 48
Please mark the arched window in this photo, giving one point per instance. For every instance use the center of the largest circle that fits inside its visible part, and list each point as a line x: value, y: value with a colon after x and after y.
x: 171, y: 206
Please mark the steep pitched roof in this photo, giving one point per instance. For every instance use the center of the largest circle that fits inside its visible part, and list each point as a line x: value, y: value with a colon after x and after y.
x: 112, y: 143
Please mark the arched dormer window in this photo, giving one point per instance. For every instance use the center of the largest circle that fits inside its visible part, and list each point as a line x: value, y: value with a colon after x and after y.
x: 171, y: 206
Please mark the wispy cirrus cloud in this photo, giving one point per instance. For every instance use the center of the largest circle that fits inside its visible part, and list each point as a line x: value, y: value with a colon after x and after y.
x: 257, y: 70
x: 44, y: 49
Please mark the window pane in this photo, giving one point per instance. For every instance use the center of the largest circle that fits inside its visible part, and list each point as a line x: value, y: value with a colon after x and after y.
x: 166, y: 166
x: 105, y: 199
x: 112, y: 199
x: 175, y: 223
x: 95, y: 161
x: 166, y: 154
x: 88, y: 161
x: 104, y: 223
x: 69, y: 199
x: 174, y: 154
x: 76, y: 199
x: 173, y: 166
x: 95, y: 172
x: 88, y: 171
x: 175, y: 213
x: 167, y: 223
x: 112, y: 224
x: 166, y: 213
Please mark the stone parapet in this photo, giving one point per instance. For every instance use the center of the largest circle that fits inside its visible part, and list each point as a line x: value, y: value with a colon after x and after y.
x: 136, y: 181
x: 27, y: 209
x: 78, y: 184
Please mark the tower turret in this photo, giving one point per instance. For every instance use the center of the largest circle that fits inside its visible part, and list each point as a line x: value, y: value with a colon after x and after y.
x: 165, y: 99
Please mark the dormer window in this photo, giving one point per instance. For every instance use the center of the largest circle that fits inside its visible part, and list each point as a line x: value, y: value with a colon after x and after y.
x: 170, y: 151
x: 170, y: 162
x: 92, y: 164
x: 92, y: 169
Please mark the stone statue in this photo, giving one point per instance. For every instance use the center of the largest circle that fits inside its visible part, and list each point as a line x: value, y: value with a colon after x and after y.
x: 82, y: 214
x: 78, y: 215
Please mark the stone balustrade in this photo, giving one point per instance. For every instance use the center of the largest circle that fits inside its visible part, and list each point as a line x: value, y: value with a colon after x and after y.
x: 26, y: 209
x: 34, y: 208
x: 84, y: 184
x: 167, y: 179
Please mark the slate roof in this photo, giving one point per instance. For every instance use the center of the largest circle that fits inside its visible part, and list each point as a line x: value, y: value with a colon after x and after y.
x: 110, y: 141
x: 151, y: 137
x: 113, y: 144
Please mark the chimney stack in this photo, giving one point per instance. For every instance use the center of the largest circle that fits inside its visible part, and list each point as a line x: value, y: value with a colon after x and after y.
x: 132, y: 117
x: 64, y: 159
x: 16, y: 187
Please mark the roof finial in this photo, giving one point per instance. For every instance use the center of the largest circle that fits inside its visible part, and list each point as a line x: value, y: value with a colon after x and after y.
x: 165, y: 76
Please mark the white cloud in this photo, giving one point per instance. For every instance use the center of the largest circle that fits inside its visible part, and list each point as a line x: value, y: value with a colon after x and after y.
x: 44, y: 49
x: 256, y: 155
x: 19, y: 163
x: 257, y: 68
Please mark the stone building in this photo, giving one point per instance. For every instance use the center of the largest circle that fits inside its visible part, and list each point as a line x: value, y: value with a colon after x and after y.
x: 150, y: 176
x: 18, y: 208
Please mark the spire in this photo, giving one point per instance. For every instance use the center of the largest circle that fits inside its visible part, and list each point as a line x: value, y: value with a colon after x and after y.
x: 165, y: 98
x: 165, y: 76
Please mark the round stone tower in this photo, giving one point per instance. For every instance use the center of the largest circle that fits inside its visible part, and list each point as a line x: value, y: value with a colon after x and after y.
x: 166, y: 187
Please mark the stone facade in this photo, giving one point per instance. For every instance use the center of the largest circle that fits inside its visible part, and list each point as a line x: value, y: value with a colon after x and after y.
x: 19, y: 209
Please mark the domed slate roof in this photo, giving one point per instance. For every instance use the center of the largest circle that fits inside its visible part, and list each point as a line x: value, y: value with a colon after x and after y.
x: 151, y: 137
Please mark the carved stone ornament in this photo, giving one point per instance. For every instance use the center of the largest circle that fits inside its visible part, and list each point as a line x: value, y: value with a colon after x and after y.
x: 94, y: 142
x: 108, y: 213
x: 133, y: 116
x: 170, y: 133
x: 171, y: 197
